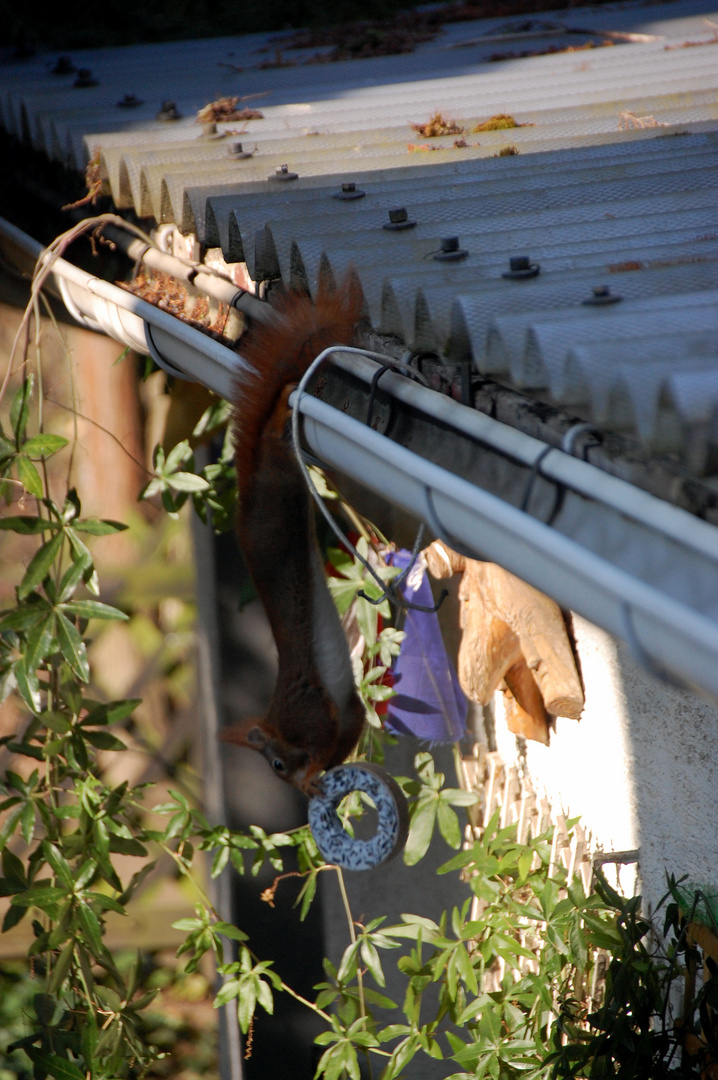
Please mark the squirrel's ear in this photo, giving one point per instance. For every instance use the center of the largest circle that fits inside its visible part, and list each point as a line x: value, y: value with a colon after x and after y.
x: 249, y: 734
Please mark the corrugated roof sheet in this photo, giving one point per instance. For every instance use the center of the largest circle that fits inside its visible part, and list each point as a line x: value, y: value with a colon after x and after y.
x: 614, y: 186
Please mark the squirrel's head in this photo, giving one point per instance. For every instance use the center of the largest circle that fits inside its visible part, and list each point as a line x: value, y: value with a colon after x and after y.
x: 287, y: 762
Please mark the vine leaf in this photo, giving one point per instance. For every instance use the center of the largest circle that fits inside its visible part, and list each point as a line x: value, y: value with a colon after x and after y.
x: 20, y: 408
x: 40, y: 564
x: 27, y: 526
x: 73, y: 647
x: 55, y: 1066
x: 28, y: 476
x: 98, y: 526
x: 43, y: 445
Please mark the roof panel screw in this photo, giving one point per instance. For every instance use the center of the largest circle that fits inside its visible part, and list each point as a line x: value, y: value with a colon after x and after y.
x: 64, y: 66
x: 84, y: 78
x: 130, y: 101
x: 237, y: 151
x: 209, y: 131
x: 169, y: 111
x: 282, y: 173
x: 349, y: 191
x: 601, y: 296
x: 450, y: 250
x: 520, y: 266
x: 398, y: 220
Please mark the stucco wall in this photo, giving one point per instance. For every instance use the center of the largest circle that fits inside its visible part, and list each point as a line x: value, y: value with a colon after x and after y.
x: 640, y: 767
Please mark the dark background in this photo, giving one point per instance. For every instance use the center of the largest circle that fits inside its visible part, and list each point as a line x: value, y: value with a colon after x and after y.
x: 129, y: 22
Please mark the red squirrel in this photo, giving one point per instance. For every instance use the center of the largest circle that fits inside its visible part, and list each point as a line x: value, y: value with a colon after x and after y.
x: 315, y: 716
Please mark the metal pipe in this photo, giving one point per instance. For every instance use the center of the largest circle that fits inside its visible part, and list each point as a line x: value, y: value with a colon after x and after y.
x: 665, y: 632
x: 101, y: 306
x: 556, y: 464
x: 215, y: 285
x: 679, y: 640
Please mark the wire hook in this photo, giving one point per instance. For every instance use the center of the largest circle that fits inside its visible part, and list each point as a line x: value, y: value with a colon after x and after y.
x: 372, y: 391
x: 391, y: 591
x: 390, y: 364
x: 568, y: 446
x: 388, y: 592
x: 533, y: 475
x: 568, y: 442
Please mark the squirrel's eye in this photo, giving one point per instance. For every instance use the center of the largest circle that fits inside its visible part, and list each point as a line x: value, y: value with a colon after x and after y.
x: 278, y: 765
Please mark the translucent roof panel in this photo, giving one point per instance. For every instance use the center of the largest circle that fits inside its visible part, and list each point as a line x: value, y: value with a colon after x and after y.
x: 536, y: 196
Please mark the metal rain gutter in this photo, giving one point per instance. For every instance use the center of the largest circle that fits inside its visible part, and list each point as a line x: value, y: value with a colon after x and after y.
x: 101, y: 306
x: 672, y: 637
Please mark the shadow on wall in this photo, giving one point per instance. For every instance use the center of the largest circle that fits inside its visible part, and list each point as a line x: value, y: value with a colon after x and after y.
x: 640, y: 767
x: 392, y: 889
x: 282, y: 1043
x: 673, y: 736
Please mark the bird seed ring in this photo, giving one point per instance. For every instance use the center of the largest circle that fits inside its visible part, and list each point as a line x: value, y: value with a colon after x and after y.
x: 332, y: 839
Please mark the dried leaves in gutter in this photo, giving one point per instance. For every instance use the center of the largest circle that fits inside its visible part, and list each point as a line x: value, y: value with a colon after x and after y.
x: 171, y: 295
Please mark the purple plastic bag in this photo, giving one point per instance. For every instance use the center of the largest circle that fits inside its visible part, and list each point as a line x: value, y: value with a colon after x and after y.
x: 429, y: 702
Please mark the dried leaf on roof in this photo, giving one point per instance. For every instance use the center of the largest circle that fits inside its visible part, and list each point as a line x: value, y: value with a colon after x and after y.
x: 280, y: 61
x: 93, y: 183
x: 697, y: 44
x: 409, y: 28
x: 359, y: 40
x: 438, y: 125
x: 500, y: 122
x: 423, y: 148
x: 628, y: 121
x: 519, y: 54
x: 224, y: 109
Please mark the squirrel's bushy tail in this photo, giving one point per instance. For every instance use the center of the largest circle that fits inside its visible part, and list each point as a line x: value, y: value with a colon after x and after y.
x: 279, y: 351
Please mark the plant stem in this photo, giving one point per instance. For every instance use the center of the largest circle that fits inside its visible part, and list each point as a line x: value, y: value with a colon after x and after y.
x: 353, y: 937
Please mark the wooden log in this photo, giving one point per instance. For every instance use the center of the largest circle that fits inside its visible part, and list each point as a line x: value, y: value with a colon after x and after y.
x: 523, y: 705
x: 512, y: 636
